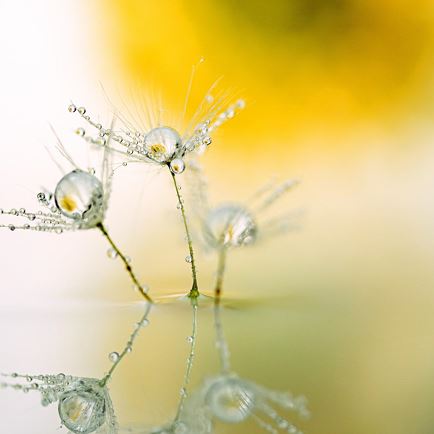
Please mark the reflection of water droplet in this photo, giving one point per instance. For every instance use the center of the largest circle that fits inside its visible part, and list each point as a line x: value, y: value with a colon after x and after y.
x: 188, y: 259
x: 180, y: 428
x: 230, y: 400
x: 114, y: 356
x: 82, y: 410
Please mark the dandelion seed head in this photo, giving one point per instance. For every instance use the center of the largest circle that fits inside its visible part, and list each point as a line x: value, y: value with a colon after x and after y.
x: 229, y: 226
x: 79, y: 196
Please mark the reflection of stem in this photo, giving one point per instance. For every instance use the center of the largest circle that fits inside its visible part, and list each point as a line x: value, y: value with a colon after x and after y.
x: 192, y: 340
x: 129, y: 345
x: 128, y: 267
x: 194, y: 293
x: 221, y: 343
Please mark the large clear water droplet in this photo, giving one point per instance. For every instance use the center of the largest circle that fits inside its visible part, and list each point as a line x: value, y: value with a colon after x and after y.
x: 79, y: 195
x: 161, y: 144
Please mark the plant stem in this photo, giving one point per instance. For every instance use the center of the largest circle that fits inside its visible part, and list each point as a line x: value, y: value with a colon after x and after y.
x: 221, y: 343
x: 129, y: 345
x: 128, y: 267
x: 194, y: 292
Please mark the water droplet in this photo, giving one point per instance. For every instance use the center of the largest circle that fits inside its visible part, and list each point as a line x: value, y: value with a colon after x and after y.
x: 80, y: 132
x: 112, y: 254
x: 60, y: 377
x: 79, y: 196
x: 188, y: 259
x: 144, y: 323
x: 183, y: 392
x: 190, y: 339
x: 12, y: 227
x: 114, y: 356
x: 82, y: 110
x: 177, y: 166
x: 161, y: 144
x: 72, y: 108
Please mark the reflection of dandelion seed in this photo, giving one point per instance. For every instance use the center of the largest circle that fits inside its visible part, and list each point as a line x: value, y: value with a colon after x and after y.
x: 231, y: 399
x: 84, y: 404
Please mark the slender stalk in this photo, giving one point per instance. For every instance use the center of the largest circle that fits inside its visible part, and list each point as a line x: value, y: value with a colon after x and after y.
x: 128, y: 267
x: 194, y: 292
x: 190, y: 359
x: 129, y: 345
x: 193, y: 295
x: 221, y: 343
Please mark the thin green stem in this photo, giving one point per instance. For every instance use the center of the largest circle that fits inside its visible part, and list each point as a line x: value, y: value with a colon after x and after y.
x: 194, y: 292
x: 192, y: 340
x: 129, y: 345
x: 221, y: 343
x: 128, y: 267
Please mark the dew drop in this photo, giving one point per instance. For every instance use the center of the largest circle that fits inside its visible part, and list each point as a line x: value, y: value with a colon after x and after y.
x: 80, y: 132
x: 144, y: 323
x: 112, y: 254
x: 177, y: 166
x: 188, y: 259
x: 82, y: 110
x: 72, y: 108
x: 114, y: 356
x: 190, y: 339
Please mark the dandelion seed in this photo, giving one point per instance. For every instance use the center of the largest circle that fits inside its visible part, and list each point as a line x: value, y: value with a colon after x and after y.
x: 163, y: 144
x: 234, y: 225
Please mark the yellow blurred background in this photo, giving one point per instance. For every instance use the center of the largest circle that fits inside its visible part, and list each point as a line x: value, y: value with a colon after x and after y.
x: 340, y: 94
